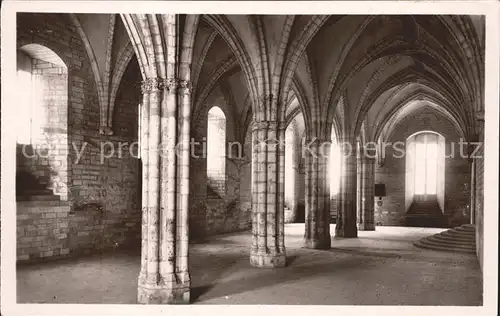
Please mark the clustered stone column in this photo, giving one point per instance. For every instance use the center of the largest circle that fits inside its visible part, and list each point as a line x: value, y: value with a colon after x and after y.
x: 268, y: 236
x: 472, y: 153
x: 317, y: 195
x: 346, y: 217
x: 367, y: 221
x: 164, y: 276
x: 359, y: 186
x: 472, y: 208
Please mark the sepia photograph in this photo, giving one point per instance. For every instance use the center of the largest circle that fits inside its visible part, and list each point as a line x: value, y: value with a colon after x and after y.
x: 333, y: 158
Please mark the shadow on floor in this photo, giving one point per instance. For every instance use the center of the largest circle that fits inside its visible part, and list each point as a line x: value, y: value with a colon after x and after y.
x: 272, y: 277
x: 374, y: 271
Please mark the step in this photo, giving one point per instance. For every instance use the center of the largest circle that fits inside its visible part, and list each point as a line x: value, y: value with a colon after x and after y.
x: 442, y: 239
x: 437, y: 214
x: 468, y: 225
x: 461, y: 233
x: 465, y: 230
x: 441, y: 248
x: 446, y: 234
x: 426, y: 208
x: 425, y: 217
x: 427, y: 245
x: 458, y: 239
x: 44, y: 197
x: 441, y: 245
x: 423, y: 221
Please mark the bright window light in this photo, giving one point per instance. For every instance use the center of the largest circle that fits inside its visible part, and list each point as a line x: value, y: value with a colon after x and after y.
x: 24, y: 107
x: 426, y: 158
x: 335, y: 168
x: 216, y: 144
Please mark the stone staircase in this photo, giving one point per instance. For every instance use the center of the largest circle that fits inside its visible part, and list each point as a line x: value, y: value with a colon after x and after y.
x: 425, y: 214
x: 37, y: 195
x: 211, y: 194
x: 459, y: 239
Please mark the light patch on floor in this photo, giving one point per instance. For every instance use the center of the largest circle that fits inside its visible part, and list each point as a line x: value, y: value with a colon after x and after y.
x: 378, y: 268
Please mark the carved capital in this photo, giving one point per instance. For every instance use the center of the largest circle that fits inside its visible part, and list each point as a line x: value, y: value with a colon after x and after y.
x: 259, y: 125
x: 171, y: 84
x: 106, y: 131
x: 480, y: 116
x: 268, y: 98
x: 185, y: 86
x: 152, y: 85
x: 369, y: 153
x: 144, y: 87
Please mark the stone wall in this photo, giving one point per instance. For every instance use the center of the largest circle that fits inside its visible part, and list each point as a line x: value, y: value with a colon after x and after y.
x: 213, y: 211
x: 392, y: 173
x: 42, y: 229
x: 104, y: 207
x: 45, y: 158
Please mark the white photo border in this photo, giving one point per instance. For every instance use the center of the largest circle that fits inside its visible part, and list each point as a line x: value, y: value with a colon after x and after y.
x: 490, y: 9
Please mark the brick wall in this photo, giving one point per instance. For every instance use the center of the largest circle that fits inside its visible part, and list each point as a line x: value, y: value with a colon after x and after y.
x: 230, y: 210
x: 104, y: 198
x: 392, y: 173
x: 216, y: 152
x: 46, y: 157
x: 43, y: 229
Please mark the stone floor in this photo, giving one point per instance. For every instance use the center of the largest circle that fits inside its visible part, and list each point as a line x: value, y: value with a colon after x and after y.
x: 378, y: 268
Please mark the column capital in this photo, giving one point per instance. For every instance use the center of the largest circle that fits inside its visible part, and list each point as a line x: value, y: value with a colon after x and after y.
x: 185, y: 86
x: 369, y: 154
x: 170, y: 84
x: 318, y: 139
x: 259, y: 125
x: 152, y: 84
x: 479, y: 116
x: 269, y: 97
x: 105, y: 130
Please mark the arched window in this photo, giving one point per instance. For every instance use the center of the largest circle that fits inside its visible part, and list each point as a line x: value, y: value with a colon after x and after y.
x: 27, y: 103
x: 335, y: 167
x: 426, y: 147
x: 216, y: 150
x: 43, y: 103
x: 43, y: 125
x: 425, y: 167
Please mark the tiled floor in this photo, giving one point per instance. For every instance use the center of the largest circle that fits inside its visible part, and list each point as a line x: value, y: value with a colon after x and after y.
x: 378, y: 268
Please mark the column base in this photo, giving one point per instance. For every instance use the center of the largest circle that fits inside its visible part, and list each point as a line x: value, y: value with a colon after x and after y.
x: 366, y: 227
x: 264, y: 260
x: 170, y: 293
x: 346, y: 232
x: 324, y: 243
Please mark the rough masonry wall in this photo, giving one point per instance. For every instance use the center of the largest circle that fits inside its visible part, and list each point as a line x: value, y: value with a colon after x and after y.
x: 104, y: 206
x: 392, y: 173
x: 212, y: 213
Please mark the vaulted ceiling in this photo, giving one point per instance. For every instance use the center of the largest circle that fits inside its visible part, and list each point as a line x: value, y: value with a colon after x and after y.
x: 349, y: 71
